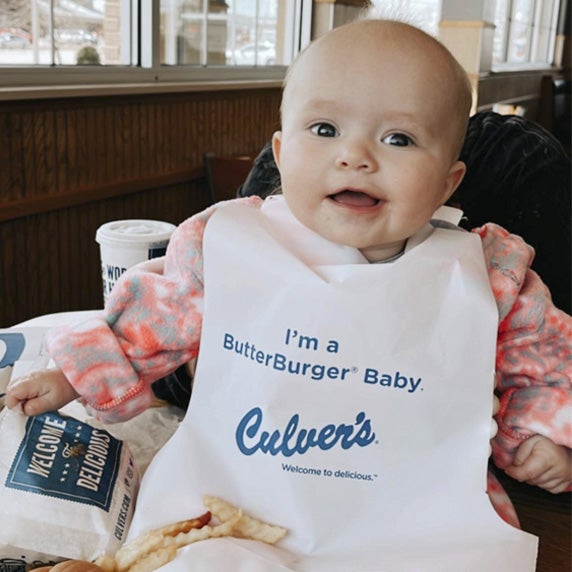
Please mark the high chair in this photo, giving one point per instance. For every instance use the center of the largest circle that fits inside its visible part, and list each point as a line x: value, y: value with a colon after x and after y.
x: 555, y: 108
x: 225, y: 174
x: 518, y: 176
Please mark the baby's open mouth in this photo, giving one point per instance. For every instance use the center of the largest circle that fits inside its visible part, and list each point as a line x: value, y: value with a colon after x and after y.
x: 354, y: 198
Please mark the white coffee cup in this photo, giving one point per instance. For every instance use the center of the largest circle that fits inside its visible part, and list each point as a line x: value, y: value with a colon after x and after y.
x: 124, y: 243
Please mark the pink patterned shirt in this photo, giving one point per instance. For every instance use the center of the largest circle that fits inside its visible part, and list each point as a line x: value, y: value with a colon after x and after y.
x: 152, y: 324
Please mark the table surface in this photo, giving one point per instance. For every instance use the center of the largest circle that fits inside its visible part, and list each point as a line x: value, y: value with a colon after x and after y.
x: 547, y: 516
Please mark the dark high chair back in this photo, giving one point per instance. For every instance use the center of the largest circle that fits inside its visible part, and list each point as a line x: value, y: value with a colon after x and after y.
x: 518, y: 176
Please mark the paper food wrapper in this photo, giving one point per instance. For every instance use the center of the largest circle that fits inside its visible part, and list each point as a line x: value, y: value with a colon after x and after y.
x: 67, y: 489
x: 67, y: 485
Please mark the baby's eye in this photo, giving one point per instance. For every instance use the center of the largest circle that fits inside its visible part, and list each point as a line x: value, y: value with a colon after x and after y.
x: 324, y: 130
x: 398, y: 140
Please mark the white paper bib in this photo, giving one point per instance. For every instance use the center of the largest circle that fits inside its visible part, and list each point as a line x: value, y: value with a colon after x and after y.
x: 348, y: 402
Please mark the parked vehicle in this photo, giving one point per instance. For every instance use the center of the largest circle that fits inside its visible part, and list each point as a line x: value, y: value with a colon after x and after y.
x: 262, y: 54
x: 13, y: 40
x: 71, y: 36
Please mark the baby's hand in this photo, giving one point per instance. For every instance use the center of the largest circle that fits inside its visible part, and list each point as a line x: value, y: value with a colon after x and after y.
x: 539, y: 461
x: 40, y: 391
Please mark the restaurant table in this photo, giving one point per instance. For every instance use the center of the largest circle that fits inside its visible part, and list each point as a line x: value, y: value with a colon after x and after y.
x: 547, y: 516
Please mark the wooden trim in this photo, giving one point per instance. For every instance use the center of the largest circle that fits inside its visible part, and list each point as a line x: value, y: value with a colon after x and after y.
x: 522, y: 99
x: 47, y: 203
x: 117, y: 89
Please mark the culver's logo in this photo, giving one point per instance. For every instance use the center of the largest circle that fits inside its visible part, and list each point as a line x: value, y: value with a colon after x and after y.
x: 251, y: 437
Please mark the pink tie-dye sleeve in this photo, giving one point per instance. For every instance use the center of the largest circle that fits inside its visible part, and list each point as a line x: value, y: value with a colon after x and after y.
x: 534, y: 349
x: 151, y: 324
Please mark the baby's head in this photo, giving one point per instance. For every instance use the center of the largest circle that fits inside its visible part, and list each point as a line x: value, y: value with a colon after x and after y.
x: 374, y: 114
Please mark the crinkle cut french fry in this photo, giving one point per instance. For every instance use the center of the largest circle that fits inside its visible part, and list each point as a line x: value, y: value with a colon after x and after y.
x: 150, y: 562
x: 248, y: 526
x: 152, y: 559
x: 225, y: 529
x: 107, y: 563
x: 129, y: 553
x: 159, y: 546
x: 186, y: 525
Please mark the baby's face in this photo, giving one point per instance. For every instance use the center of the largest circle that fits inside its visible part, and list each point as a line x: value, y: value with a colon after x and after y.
x: 366, y: 151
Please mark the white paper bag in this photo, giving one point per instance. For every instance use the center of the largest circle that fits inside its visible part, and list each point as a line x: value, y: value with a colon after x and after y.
x: 348, y: 402
x: 67, y: 490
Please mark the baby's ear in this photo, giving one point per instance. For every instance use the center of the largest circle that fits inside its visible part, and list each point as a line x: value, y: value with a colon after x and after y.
x: 276, y: 145
x: 453, y: 179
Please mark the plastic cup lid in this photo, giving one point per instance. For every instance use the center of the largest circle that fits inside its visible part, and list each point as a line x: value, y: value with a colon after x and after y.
x: 134, y: 232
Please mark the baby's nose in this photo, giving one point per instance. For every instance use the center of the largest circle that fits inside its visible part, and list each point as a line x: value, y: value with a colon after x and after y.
x: 356, y: 156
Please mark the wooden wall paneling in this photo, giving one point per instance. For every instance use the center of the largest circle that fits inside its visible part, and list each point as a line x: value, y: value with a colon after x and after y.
x: 45, y: 245
x: 20, y: 176
x: 193, y: 130
x: 156, y: 148
x: 70, y: 162
x: 175, y: 143
x: 146, y: 129
x: 168, y: 137
x: 6, y: 155
x: 61, y: 148
x: 46, y: 147
x: 141, y: 134
x: 65, y: 249
x: 95, y: 143
x: 85, y: 145
x: 11, y: 263
x: 76, y: 282
x: 27, y: 252
x: 125, y: 132
x: 176, y: 126
x: 104, y: 145
x: 101, y: 154
x: 113, y: 137
x: 53, y: 261
x: 39, y: 249
x: 28, y: 151
x: 67, y: 166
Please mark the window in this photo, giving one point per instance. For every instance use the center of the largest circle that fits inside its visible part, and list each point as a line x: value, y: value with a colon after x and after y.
x: 525, y: 32
x: 56, y: 32
x: 422, y: 13
x: 237, y: 32
x: 150, y: 40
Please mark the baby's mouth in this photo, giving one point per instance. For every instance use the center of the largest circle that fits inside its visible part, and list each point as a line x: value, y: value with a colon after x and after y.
x: 354, y: 199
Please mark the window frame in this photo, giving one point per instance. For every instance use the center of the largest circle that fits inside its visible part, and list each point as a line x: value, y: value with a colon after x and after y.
x: 142, y: 21
x: 540, y: 22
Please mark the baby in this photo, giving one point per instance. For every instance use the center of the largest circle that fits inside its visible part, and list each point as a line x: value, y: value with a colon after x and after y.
x: 373, y: 117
